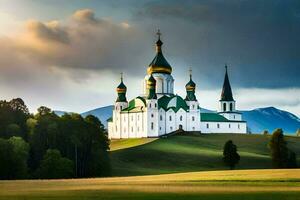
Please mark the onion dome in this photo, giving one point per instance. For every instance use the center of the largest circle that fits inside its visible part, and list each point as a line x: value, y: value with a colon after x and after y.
x: 151, y: 85
x: 159, y: 64
x: 190, y: 89
x: 226, y: 94
x: 191, y: 85
x: 121, y: 90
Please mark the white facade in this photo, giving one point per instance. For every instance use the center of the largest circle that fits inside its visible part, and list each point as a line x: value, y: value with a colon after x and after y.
x: 163, y: 113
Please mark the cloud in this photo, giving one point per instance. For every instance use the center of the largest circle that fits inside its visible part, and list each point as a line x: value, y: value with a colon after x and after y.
x: 85, y: 16
x: 257, y: 39
x: 48, y: 32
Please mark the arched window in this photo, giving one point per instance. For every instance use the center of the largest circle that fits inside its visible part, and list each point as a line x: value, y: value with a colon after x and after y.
x: 120, y: 107
x: 155, y: 105
x: 170, y: 118
x: 207, y: 125
x: 229, y: 126
x: 171, y: 128
x: 193, y: 118
x: 224, y: 106
x: 160, y: 117
x: 239, y: 126
x: 152, y: 115
x: 230, y: 106
x: 218, y: 125
x: 152, y: 125
x: 180, y: 118
x: 149, y: 105
x: 233, y: 116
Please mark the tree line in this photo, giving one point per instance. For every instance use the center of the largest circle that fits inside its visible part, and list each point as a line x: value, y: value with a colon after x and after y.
x: 45, y: 145
x: 281, y: 155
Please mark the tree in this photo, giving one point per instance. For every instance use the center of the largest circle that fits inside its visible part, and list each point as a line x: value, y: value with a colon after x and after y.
x: 13, y: 158
x: 292, y: 160
x: 55, y: 166
x: 21, y: 154
x: 279, y: 150
x: 265, y: 132
x: 230, y: 155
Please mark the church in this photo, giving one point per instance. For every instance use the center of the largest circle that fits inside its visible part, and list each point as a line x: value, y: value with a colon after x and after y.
x: 159, y: 111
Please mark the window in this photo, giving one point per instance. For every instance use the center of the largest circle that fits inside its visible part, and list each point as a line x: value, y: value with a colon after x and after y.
x: 170, y: 118
x: 159, y: 128
x: 152, y: 115
x: 224, y: 106
x: 180, y: 118
x: 229, y: 126
x: 193, y: 106
x: 155, y: 105
x: 230, y: 106
x: 149, y: 105
x: 193, y: 118
x: 239, y: 126
x: 193, y: 128
x: 171, y: 128
x: 207, y: 125
x: 218, y: 125
x: 152, y: 125
x: 160, y: 117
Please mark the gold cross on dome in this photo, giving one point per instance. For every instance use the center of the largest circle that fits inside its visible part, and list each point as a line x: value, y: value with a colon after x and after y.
x: 158, y: 33
x: 190, y: 72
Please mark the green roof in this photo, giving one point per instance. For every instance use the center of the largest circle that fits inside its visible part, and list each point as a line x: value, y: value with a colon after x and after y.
x: 213, y: 117
x: 132, y: 107
x: 173, y: 102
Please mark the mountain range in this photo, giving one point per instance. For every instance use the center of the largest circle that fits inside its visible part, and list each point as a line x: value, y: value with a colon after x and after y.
x: 258, y: 120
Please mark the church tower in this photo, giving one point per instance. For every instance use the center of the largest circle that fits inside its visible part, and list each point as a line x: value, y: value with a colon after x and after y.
x: 193, y: 116
x: 121, y: 101
x: 161, y: 71
x: 227, y: 103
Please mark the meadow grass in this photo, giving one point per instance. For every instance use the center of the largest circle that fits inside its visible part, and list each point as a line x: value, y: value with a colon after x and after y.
x: 236, y: 184
x: 197, y: 152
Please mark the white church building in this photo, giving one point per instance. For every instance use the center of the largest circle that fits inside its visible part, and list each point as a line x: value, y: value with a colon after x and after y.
x: 159, y: 111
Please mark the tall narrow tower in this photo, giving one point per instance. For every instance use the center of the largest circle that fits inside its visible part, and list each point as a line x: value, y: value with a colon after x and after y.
x: 227, y: 103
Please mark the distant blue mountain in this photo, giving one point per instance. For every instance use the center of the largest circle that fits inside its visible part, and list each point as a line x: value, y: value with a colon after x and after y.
x: 270, y: 118
x: 258, y: 120
x: 103, y: 113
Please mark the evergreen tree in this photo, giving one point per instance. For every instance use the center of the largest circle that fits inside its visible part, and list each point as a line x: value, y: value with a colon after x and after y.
x: 279, y: 150
x: 292, y: 160
x: 230, y: 154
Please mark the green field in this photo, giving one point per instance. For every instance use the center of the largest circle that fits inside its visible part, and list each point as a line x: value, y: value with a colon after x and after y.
x: 221, y: 185
x: 167, y: 156
x: 190, y: 153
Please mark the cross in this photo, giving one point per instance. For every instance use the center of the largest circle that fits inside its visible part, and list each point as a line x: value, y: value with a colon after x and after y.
x: 158, y: 33
x: 190, y: 71
x: 121, y: 76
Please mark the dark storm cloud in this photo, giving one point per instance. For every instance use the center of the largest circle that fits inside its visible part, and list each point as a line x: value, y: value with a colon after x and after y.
x: 259, y: 39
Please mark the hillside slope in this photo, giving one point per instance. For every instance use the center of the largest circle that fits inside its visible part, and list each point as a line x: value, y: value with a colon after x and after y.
x: 191, y: 153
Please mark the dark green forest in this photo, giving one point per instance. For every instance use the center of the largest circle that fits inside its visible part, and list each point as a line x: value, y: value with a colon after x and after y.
x: 45, y: 145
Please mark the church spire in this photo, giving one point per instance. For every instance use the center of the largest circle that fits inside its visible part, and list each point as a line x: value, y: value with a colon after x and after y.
x: 226, y: 94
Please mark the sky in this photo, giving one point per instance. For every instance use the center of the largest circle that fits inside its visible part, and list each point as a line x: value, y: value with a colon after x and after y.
x: 68, y: 55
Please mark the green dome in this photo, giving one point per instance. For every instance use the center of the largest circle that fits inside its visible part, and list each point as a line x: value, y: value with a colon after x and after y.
x: 159, y: 64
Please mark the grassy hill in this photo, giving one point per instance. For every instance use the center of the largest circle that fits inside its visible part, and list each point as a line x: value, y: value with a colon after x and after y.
x: 190, y: 153
x: 222, y: 185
